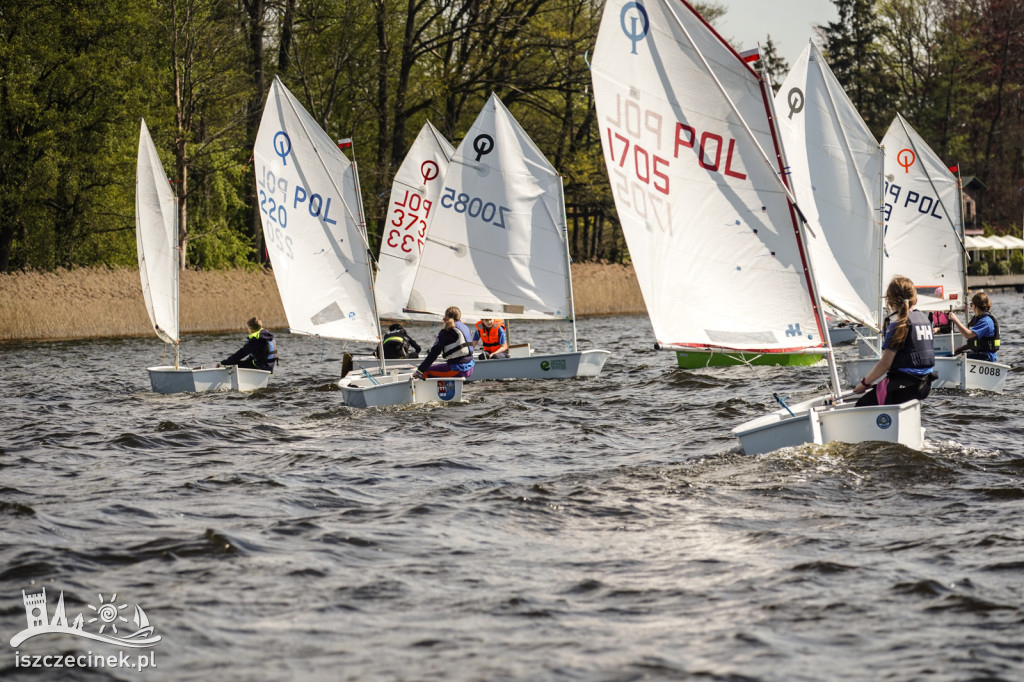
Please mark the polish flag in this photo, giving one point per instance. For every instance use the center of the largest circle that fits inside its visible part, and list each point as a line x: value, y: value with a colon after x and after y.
x: 345, y: 143
x: 750, y: 56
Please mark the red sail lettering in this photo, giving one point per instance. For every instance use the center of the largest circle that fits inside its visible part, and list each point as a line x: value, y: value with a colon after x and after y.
x: 728, y: 163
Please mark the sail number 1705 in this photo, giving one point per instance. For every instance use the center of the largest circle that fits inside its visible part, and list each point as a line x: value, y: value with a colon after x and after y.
x: 474, y: 207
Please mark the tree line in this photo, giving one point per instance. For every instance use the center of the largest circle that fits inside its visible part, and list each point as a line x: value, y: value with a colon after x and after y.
x: 76, y: 76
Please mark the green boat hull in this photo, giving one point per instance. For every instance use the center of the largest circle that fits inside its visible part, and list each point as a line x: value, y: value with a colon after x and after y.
x: 698, y: 359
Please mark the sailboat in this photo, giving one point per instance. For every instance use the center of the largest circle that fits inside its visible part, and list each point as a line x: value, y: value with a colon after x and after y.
x: 497, y: 246
x: 415, y: 191
x: 924, y: 240
x: 311, y: 211
x: 715, y: 233
x: 156, y: 235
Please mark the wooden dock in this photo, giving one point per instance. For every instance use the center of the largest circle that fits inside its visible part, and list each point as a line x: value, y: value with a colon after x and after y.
x: 1015, y: 282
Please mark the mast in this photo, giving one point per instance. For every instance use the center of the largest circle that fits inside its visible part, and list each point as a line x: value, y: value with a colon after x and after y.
x: 881, y: 256
x: 177, y: 280
x: 361, y: 221
x: 568, y: 261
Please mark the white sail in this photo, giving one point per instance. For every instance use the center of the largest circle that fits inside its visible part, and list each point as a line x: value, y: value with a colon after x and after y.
x: 685, y: 128
x: 414, y: 195
x: 156, y: 235
x: 309, y: 205
x: 924, y: 223
x: 835, y: 167
x: 496, y: 244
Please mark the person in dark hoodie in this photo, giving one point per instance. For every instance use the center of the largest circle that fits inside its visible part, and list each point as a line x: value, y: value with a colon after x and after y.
x: 398, y: 344
x: 259, y: 351
x: 454, y: 343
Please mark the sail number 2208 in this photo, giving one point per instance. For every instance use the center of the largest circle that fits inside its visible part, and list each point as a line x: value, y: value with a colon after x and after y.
x: 474, y: 207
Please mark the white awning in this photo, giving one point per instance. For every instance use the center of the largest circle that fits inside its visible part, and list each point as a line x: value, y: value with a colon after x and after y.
x: 1008, y: 242
x: 993, y: 243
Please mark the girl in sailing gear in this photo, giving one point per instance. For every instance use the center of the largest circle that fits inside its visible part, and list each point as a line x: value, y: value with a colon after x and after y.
x: 491, y: 333
x: 398, y: 344
x: 454, y: 344
x: 908, y: 358
x: 981, y: 332
x: 259, y: 351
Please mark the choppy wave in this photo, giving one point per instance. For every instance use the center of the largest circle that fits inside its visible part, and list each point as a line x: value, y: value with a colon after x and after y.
x: 592, y: 529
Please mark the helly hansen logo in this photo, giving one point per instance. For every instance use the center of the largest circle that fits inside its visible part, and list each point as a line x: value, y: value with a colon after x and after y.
x: 924, y: 331
x: 794, y: 330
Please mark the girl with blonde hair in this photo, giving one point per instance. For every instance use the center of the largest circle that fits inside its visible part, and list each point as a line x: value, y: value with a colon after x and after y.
x: 908, y: 357
x: 454, y: 343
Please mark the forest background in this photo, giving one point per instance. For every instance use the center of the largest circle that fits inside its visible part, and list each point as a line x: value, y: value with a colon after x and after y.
x: 76, y: 76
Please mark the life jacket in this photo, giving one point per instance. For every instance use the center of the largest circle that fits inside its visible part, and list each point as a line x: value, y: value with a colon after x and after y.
x: 941, y: 320
x: 490, y: 338
x: 917, y: 351
x: 461, y: 349
x: 988, y: 344
x: 396, y: 344
x: 270, y: 345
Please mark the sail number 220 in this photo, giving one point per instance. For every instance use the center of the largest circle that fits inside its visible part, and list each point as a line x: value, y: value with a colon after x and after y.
x: 474, y: 207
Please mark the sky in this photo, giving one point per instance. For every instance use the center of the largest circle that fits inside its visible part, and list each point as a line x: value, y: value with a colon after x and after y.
x: 788, y: 22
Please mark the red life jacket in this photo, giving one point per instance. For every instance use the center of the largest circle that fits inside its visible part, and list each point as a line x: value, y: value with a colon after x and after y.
x: 490, y: 338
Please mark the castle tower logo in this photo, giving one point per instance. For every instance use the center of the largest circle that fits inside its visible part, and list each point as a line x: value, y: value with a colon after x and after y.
x: 105, y: 622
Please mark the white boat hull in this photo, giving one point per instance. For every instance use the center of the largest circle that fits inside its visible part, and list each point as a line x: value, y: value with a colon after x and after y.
x: 398, y: 389
x: 956, y: 372
x: 169, y: 379
x: 816, y: 422
x: 587, y: 363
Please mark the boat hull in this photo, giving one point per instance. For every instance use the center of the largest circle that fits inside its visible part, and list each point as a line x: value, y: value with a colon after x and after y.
x: 370, y: 390
x: 697, y: 359
x: 957, y: 372
x: 587, y: 363
x: 816, y: 422
x: 169, y: 379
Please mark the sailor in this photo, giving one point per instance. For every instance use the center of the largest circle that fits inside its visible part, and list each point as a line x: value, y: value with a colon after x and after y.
x: 981, y: 331
x: 493, y: 337
x: 259, y: 351
x: 454, y: 344
x: 398, y: 344
x: 908, y: 357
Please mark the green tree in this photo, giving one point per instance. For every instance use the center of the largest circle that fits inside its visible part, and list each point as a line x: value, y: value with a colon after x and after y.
x: 858, y: 60
x: 774, y: 63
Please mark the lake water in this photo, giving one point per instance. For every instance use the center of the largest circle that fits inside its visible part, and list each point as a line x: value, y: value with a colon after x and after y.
x: 599, y: 529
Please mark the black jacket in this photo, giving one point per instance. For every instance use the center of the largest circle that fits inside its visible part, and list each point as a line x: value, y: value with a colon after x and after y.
x: 260, y: 349
x: 398, y: 344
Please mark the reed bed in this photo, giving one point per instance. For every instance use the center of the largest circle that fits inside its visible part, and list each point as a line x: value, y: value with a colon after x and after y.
x: 100, y: 302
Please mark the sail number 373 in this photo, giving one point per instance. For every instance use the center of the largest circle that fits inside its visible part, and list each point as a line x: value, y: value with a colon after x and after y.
x: 474, y: 207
